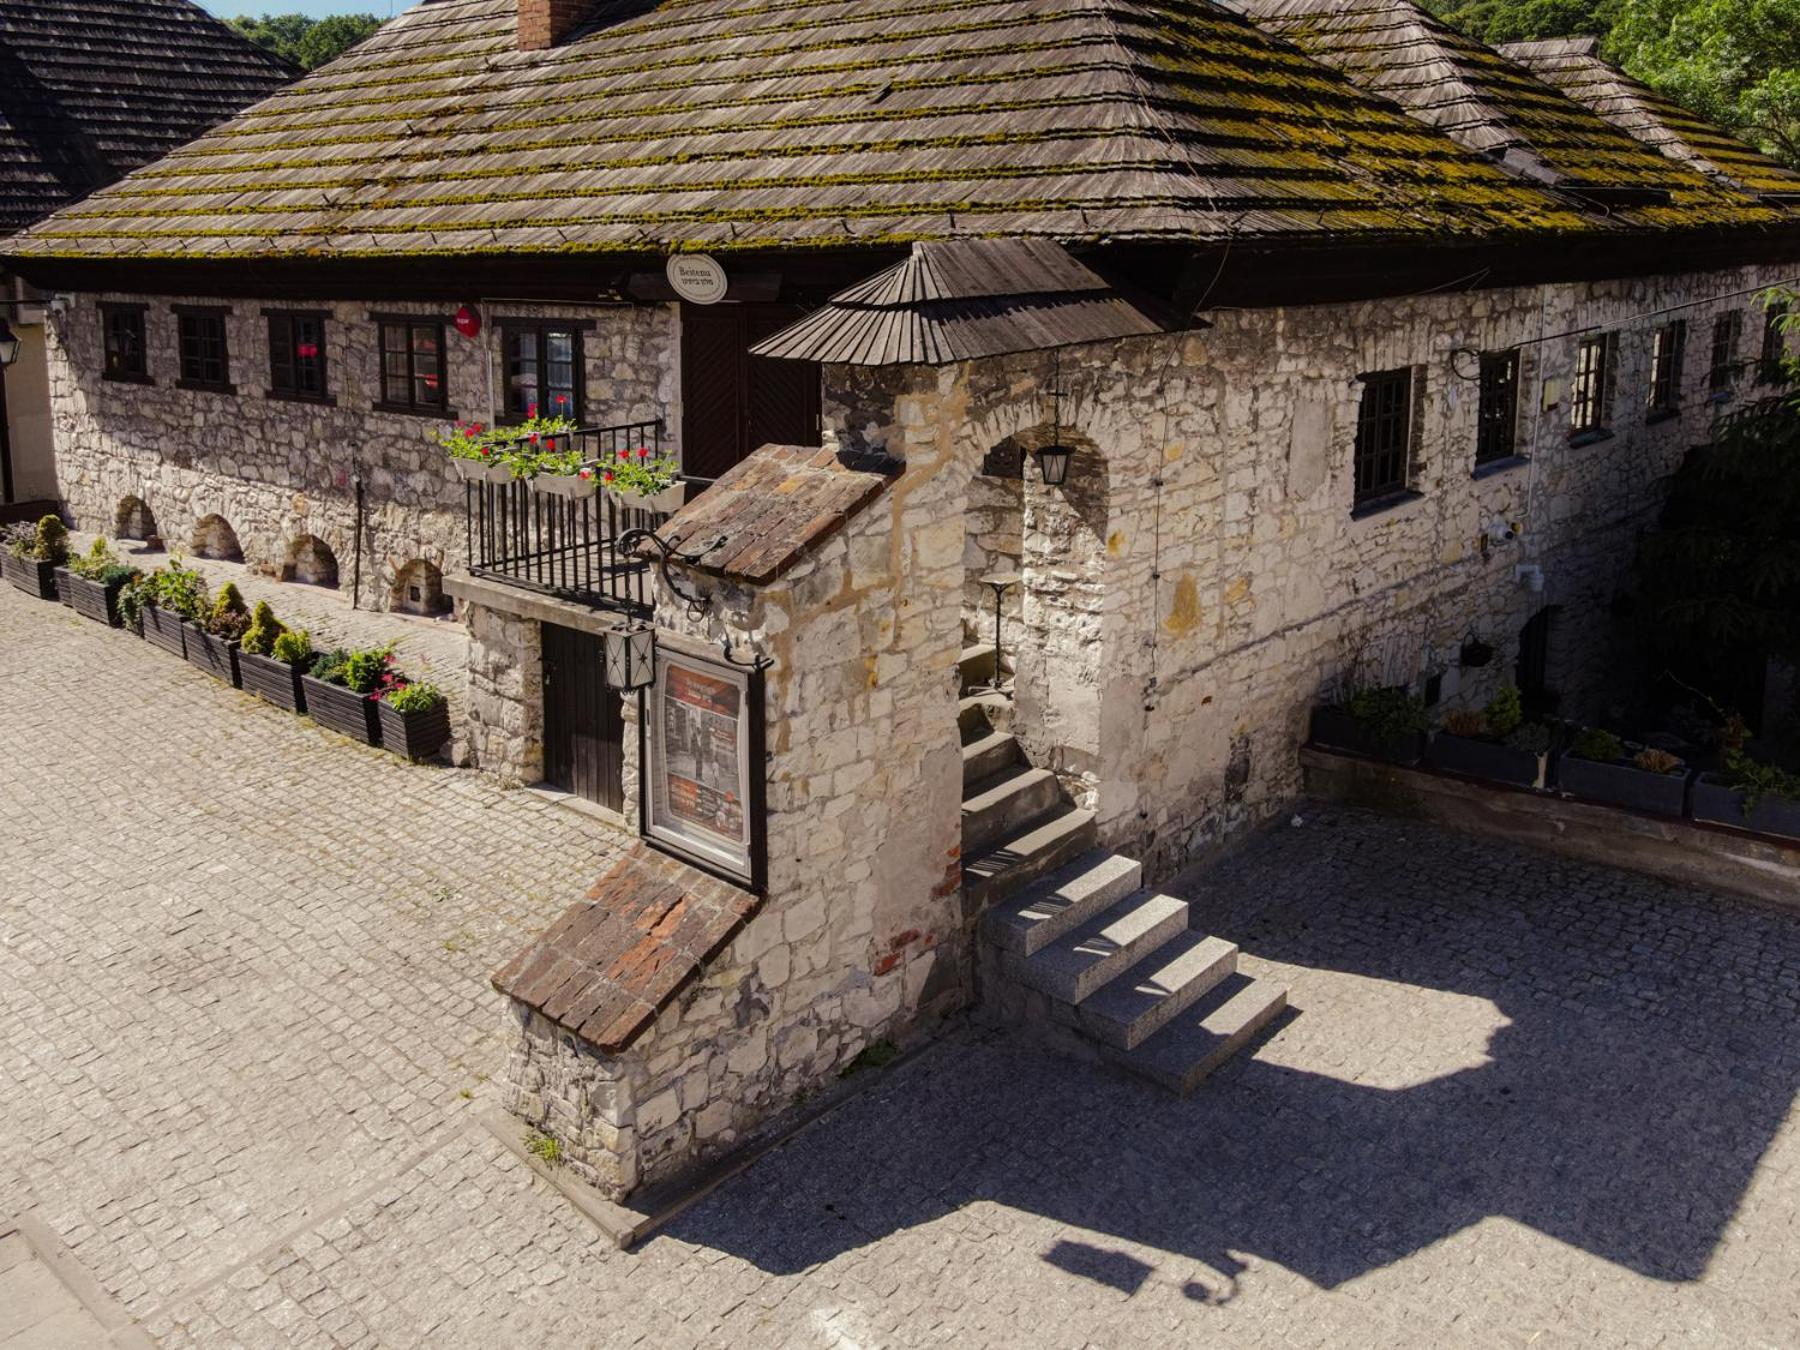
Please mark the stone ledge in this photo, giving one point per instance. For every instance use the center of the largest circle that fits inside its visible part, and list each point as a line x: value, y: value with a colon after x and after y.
x: 1681, y: 851
x: 520, y: 603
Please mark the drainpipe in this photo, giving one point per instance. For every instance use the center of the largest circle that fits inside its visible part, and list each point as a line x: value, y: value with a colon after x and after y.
x: 6, y: 475
x: 356, y: 553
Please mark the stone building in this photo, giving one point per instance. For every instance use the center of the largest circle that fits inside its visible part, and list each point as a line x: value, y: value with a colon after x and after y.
x: 1362, y: 347
x: 88, y: 92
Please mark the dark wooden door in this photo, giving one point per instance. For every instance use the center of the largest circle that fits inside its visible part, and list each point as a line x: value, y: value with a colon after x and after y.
x: 733, y: 402
x: 584, y: 734
x: 1532, y: 673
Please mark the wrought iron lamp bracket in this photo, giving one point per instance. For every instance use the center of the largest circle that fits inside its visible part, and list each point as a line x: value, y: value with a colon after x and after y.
x: 628, y: 541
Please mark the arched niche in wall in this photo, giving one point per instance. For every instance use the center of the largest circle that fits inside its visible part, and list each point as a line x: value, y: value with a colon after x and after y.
x: 419, y: 589
x: 134, y: 520
x: 214, y: 538
x: 310, y: 562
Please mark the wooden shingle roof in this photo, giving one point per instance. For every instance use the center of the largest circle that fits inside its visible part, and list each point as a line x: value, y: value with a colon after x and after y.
x: 91, y: 89
x: 755, y: 124
x: 1574, y: 66
x: 1495, y: 106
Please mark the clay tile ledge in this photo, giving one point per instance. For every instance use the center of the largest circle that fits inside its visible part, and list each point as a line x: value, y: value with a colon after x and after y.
x: 773, y: 508
x: 615, y: 959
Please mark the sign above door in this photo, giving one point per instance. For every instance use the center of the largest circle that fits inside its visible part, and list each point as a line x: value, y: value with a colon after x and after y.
x: 696, y: 278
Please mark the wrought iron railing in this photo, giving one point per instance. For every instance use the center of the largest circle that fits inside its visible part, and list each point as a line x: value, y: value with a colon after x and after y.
x: 525, y: 534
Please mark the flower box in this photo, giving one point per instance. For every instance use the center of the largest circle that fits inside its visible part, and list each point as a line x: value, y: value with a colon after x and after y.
x: 1335, y: 729
x: 480, y: 470
x: 342, y: 710
x: 1622, y: 783
x: 665, y: 503
x: 416, y: 735
x: 89, y: 599
x: 1718, y: 803
x: 29, y: 575
x: 275, y: 681
x: 166, y: 629
x: 1491, y: 760
x: 217, y: 656
x: 570, y: 485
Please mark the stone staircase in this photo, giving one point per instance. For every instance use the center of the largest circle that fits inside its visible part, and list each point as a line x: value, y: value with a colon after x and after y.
x: 1072, y: 943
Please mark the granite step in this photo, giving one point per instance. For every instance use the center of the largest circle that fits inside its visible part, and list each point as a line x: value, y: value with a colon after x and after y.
x: 987, y: 711
x: 1039, y: 848
x: 1219, y: 1024
x: 999, y: 804
x: 1079, y: 963
x: 977, y: 665
x: 1070, y: 897
x: 988, y: 753
x: 1141, y: 1001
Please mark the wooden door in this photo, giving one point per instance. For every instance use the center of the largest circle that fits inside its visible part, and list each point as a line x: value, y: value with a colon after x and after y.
x: 584, y: 734
x: 733, y: 402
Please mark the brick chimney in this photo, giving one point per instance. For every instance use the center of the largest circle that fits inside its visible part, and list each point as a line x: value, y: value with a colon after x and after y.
x: 545, y: 23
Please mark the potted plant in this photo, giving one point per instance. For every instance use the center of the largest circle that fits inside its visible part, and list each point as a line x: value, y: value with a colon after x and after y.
x: 1496, y: 743
x: 566, y: 474
x: 1387, y: 723
x: 32, y: 555
x: 271, y: 657
x: 415, y: 719
x: 1601, y: 767
x: 500, y: 454
x: 161, y: 603
x: 342, y: 688
x: 1750, y: 794
x: 212, y: 639
x: 642, y: 482
x: 91, y: 583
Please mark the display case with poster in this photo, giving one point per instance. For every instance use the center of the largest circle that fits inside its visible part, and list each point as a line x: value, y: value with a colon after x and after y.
x: 703, y: 762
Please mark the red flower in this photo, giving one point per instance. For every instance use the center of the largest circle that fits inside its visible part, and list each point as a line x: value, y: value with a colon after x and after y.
x: 643, y: 452
x: 486, y: 450
x: 534, y: 439
x: 624, y: 454
x: 531, y: 409
x: 589, y: 473
x: 607, y: 476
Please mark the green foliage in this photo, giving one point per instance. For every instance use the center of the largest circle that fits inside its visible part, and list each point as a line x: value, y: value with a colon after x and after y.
x: 180, y: 590
x: 47, y: 541
x: 293, y: 647
x: 96, y: 562
x: 415, y: 698
x: 536, y: 445
x: 1723, y: 570
x: 1388, y: 715
x: 1757, y: 779
x: 229, y: 617
x: 365, y: 667
x: 1494, y: 21
x: 544, y: 1148
x: 1505, y: 712
x: 265, y: 628
x: 1599, y: 745
x: 328, y: 666
x: 307, y: 42
x: 1533, y: 738
x: 875, y: 1055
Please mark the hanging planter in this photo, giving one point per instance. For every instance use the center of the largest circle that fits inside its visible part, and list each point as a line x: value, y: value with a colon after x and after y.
x: 574, y: 486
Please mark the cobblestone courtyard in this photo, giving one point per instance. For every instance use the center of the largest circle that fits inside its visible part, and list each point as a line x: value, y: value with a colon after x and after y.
x: 245, y: 1030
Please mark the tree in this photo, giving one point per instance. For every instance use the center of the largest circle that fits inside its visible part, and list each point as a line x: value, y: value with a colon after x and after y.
x: 1495, y: 21
x: 308, y: 43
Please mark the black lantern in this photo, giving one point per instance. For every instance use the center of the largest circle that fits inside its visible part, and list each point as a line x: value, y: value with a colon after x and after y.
x: 630, y: 657
x: 9, y: 344
x: 1053, y: 463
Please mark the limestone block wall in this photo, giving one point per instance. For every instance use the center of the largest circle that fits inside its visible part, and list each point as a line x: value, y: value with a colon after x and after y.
x: 505, y: 723
x: 281, y: 472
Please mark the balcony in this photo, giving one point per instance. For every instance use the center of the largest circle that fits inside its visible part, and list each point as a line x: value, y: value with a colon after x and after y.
x: 523, y: 534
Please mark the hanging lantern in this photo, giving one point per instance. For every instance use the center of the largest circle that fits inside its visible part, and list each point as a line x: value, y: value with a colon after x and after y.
x: 9, y: 344
x: 630, y: 656
x: 467, y: 321
x: 1053, y: 463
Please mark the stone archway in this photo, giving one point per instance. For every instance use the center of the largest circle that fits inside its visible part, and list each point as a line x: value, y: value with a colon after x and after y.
x: 134, y: 520
x: 310, y: 562
x: 214, y: 538
x: 419, y: 589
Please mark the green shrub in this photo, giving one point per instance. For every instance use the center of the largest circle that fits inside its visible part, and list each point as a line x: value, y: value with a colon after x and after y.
x: 95, y: 563
x: 1757, y: 780
x: 259, y: 637
x: 293, y: 648
x: 415, y: 698
x: 365, y: 667
x: 1504, y: 713
x: 52, y: 544
x: 229, y: 617
x: 328, y: 666
x: 1596, y: 744
x: 1533, y: 738
x: 1388, y: 715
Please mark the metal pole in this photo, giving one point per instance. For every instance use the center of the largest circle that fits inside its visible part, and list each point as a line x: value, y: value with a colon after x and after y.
x: 356, y: 555
x: 6, y: 474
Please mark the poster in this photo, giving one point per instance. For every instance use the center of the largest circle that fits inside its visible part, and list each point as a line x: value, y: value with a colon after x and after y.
x: 699, y: 724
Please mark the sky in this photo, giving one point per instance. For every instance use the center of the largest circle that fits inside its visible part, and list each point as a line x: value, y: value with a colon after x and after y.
x: 318, y: 9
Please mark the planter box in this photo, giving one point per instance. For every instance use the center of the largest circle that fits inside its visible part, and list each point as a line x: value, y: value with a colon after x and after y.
x: 29, y: 575
x: 570, y: 485
x: 218, y: 657
x: 1487, y: 759
x: 1335, y: 729
x: 664, y: 503
x: 416, y: 735
x: 89, y: 599
x: 166, y: 630
x: 480, y: 471
x: 1720, y: 804
x: 1623, y: 784
x: 267, y: 678
x: 333, y: 706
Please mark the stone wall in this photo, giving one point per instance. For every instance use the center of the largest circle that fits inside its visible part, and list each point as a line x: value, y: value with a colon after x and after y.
x: 279, y: 472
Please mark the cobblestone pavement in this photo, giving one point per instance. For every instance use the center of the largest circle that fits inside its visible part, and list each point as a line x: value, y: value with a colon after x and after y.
x: 1522, y: 1101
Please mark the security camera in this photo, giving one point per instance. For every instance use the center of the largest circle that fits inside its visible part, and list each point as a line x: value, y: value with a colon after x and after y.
x: 1500, y: 532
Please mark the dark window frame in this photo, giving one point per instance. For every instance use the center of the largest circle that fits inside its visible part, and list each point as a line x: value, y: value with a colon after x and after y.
x: 284, y: 376
x: 538, y: 328
x: 412, y: 406
x: 1590, y: 390
x: 1386, y: 419
x: 184, y: 341
x: 1497, y: 408
x: 111, y: 310
x: 1769, y: 366
x: 1668, y: 364
x: 1727, y: 333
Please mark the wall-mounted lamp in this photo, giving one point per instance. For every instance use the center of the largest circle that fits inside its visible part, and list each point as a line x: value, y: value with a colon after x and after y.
x: 630, y: 653
x: 1053, y: 463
